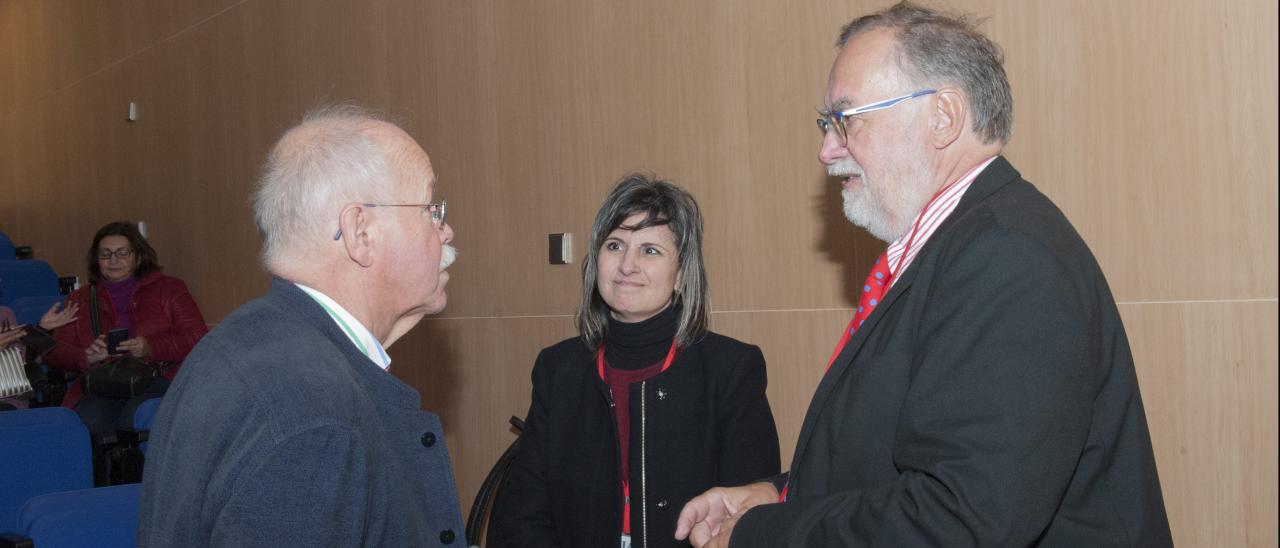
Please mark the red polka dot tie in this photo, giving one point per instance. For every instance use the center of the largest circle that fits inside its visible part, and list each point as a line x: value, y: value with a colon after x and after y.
x: 871, y: 292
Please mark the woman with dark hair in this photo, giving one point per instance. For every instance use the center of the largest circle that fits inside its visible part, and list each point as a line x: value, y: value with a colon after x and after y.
x: 162, y: 320
x: 646, y: 408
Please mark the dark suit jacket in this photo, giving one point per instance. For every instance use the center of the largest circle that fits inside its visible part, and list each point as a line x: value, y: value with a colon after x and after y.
x: 280, y: 432
x: 704, y: 422
x: 989, y: 400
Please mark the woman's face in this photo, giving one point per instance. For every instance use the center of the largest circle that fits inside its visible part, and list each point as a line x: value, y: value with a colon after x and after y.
x: 116, y: 258
x: 637, y: 270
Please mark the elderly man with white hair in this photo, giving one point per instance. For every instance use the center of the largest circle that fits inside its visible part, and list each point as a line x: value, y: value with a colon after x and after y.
x: 285, y: 428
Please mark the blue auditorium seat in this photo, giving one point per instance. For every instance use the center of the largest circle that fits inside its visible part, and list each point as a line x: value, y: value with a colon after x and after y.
x: 105, y: 517
x: 7, y: 250
x: 42, y: 450
x: 30, y: 309
x: 26, y: 279
x: 142, y: 417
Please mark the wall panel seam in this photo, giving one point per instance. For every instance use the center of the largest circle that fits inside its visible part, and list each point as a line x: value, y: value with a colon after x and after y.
x: 117, y: 62
x: 783, y: 310
x: 1201, y: 301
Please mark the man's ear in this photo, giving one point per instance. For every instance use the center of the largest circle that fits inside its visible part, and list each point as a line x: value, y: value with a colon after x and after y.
x: 357, y: 238
x: 946, y: 122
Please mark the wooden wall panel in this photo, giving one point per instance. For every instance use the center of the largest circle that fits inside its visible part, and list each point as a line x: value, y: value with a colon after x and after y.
x: 1208, y: 376
x: 52, y: 44
x: 796, y: 346
x: 1153, y: 125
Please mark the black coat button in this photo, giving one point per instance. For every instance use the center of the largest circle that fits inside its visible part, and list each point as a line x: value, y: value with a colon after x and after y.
x: 446, y: 536
x: 429, y: 439
x: 662, y: 503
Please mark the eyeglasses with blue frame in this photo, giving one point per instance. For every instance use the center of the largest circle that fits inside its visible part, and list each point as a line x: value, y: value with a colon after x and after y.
x: 435, y: 208
x: 836, y: 120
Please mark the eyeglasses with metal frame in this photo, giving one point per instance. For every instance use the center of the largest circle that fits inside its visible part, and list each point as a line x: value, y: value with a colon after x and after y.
x: 837, y: 120
x: 436, y: 209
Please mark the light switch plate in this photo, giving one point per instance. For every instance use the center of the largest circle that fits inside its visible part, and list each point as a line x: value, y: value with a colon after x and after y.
x: 559, y: 248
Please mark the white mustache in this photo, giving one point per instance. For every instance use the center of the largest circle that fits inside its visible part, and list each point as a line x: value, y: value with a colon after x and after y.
x: 448, y: 254
x: 844, y: 167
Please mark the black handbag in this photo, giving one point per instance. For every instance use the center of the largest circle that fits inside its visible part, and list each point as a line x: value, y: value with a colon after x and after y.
x: 120, y: 377
x: 38, y: 340
x: 124, y: 378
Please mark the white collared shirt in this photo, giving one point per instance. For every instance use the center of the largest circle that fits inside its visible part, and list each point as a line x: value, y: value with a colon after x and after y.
x: 356, y: 331
x: 929, y: 220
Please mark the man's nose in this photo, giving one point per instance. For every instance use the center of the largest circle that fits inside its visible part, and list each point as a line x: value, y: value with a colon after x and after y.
x: 446, y: 233
x: 833, y: 148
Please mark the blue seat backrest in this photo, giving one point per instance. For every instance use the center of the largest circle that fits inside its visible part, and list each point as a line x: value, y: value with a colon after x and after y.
x: 26, y: 279
x: 29, y: 309
x: 8, y: 251
x: 143, y: 415
x: 105, y: 517
x: 42, y: 450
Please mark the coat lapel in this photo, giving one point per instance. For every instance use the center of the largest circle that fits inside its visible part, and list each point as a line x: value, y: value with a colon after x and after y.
x: 996, y: 175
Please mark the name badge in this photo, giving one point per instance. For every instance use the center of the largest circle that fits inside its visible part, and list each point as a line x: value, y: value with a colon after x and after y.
x: 626, y: 540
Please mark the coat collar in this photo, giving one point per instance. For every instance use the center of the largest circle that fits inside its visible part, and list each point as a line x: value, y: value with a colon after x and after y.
x: 286, y: 296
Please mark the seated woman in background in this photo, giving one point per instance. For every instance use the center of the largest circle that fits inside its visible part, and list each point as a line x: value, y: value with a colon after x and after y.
x: 646, y: 408
x: 162, y: 320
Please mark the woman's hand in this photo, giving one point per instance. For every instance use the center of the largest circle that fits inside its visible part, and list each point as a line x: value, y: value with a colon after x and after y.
x: 10, y: 336
x: 97, y: 351
x: 55, y: 318
x: 137, y: 347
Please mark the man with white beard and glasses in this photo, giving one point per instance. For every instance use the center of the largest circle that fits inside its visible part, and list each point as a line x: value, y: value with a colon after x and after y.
x: 285, y: 427
x: 984, y: 393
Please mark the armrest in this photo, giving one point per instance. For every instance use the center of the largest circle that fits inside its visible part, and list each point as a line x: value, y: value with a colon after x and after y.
x: 131, y: 436
x: 14, y: 540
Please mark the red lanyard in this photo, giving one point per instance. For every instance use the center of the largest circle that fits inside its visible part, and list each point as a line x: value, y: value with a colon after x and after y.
x: 626, y: 485
x: 671, y: 356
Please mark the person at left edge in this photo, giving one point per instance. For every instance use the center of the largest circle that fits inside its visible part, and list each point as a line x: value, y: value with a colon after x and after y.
x: 646, y: 401
x: 285, y: 427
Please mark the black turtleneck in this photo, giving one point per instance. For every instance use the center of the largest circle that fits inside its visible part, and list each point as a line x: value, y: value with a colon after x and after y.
x: 631, y: 346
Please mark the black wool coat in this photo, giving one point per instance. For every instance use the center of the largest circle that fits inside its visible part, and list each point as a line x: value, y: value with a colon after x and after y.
x: 704, y: 422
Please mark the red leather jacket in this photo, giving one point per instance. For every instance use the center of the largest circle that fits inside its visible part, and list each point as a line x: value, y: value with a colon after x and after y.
x: 162, y: 311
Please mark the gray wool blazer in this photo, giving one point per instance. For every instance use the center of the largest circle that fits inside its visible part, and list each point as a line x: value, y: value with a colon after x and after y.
x: 280, y: 432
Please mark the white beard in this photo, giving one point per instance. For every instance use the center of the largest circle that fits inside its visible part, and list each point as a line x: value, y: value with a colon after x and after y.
x: 448, y: 254
x: 885, y: 208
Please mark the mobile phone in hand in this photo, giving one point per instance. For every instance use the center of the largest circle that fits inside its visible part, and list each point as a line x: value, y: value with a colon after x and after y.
x: 114, y: 338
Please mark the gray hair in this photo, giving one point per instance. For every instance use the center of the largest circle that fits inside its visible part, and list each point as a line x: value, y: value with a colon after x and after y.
x: 334, y: 156
x: 663, y: 203
x: 939, y: 48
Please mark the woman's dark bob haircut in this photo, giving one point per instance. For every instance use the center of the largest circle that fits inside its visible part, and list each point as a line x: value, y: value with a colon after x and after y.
x: 663, y: 203
x: 147, y: 262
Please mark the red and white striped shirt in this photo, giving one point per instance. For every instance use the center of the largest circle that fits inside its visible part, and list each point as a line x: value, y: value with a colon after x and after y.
x: 935, y: 212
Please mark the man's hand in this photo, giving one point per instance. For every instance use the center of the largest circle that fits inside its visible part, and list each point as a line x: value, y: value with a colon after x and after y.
x: 137, y: 347
x: 708, y: 519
